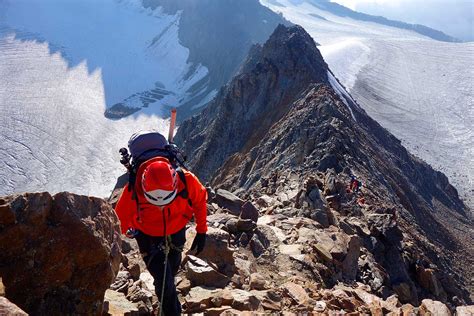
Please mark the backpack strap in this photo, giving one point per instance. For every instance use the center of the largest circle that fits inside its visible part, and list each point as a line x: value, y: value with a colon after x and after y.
x: 184, y: 193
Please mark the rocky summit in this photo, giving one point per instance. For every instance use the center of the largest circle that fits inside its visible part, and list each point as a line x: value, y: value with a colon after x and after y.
x: 286, y: 136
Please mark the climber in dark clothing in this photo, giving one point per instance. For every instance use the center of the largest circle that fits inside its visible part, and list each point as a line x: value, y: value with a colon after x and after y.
x: 153, y: 252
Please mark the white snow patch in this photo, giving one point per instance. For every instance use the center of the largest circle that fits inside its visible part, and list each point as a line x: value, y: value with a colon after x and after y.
x: 206, y: 99
x: 135, y: 48
x: 341, y: 92
x: 347, y: 58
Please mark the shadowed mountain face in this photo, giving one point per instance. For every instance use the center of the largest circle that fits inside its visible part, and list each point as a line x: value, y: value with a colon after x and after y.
x: 219, y: 34
x: 284, y: 118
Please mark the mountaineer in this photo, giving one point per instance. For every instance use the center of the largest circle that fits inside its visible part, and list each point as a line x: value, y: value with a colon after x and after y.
x: 154, y: 208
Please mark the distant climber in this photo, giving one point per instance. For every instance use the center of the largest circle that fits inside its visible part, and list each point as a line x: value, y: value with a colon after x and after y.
x: 355, y: 184
x: 154, y: 209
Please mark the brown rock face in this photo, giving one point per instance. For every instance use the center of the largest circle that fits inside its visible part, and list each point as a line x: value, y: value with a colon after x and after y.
x: 59, y: 254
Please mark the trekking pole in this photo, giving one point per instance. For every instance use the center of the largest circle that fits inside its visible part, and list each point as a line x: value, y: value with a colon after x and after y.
x: 172, y: 125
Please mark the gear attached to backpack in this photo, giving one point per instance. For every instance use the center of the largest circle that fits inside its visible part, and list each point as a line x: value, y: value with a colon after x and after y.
x: 146, y: 145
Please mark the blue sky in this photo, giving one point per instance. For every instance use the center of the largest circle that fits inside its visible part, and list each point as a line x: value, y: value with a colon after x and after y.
x: 454, y: 17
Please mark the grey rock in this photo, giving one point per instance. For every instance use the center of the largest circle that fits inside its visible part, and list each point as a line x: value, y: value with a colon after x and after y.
x: 249, y: 211
x: 246, y: 225
x: 256, y: 246
x: 229, y: 201
x: 349, y: 265
x: 121, y: 282
x: 201, y: 273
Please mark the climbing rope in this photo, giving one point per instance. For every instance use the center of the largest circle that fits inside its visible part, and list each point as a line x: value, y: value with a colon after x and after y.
x: 167, y: 250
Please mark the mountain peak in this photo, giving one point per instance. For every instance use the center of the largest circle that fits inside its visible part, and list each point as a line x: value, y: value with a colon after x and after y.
x: 289, y: 49
x: 245, y: 109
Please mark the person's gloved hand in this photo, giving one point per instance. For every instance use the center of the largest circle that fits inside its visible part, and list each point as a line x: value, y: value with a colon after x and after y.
x: 199, y: 242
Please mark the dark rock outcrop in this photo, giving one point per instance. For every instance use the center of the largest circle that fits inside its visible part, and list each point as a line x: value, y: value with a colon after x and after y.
x: 280, y: 123
x: 59, y: 253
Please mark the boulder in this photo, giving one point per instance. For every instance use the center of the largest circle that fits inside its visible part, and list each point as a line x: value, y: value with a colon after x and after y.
x: 350, y: 263
x: 257, y: 282
x: 256, y: 246
x: 137, y: 293
x: 59, y: 253
x: 117, y: 304
x: 269, y: 299
x: 8, y: 308
x: 201, y: 298
x: 121, y: 282
x: 231, y: 225
x: 128, y: 245
x: 217, y: 249
x: 320, y: 306
x: 433, y: 308
x: 218, y: 219
x: 321, y: 216
x: 135, y: 265
x: 290, y: 250
x: 296, y: 292
x: 244, y: 301
x: 183, y: 286
x: 269, y: 235
x: 147, y: 281
x: 201, y: 273
x: 465, y: 310
x: 386, y: 225
x: 265, y: 201
x: 249, y: 211
x: 228, y: 201
x: 245, y: 225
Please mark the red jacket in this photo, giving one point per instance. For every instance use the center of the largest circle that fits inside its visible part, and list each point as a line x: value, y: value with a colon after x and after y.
x: 152, y: 220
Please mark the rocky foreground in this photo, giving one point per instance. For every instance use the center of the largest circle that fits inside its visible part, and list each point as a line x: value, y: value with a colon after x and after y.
x: 259, y: 259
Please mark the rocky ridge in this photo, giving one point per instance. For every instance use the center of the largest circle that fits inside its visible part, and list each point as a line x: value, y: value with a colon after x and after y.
x: 280, y: 132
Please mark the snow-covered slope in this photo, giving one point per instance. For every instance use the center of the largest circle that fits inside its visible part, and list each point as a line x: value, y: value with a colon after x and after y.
x: 55, y: 83
x: 137, y: 50
x: 418, y: 88
x: 52, y: 139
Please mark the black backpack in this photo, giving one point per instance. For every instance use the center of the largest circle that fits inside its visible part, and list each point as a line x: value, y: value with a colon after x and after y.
x: 146, y: 145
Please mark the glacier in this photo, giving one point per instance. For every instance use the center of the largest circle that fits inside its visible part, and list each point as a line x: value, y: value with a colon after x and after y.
x: 61, y: 64
x: 418, y: 88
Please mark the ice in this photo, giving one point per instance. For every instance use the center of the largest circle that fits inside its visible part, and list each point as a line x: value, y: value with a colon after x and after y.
x: 61, y: 63
x: 133, y: 47
x: 342, y: 93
